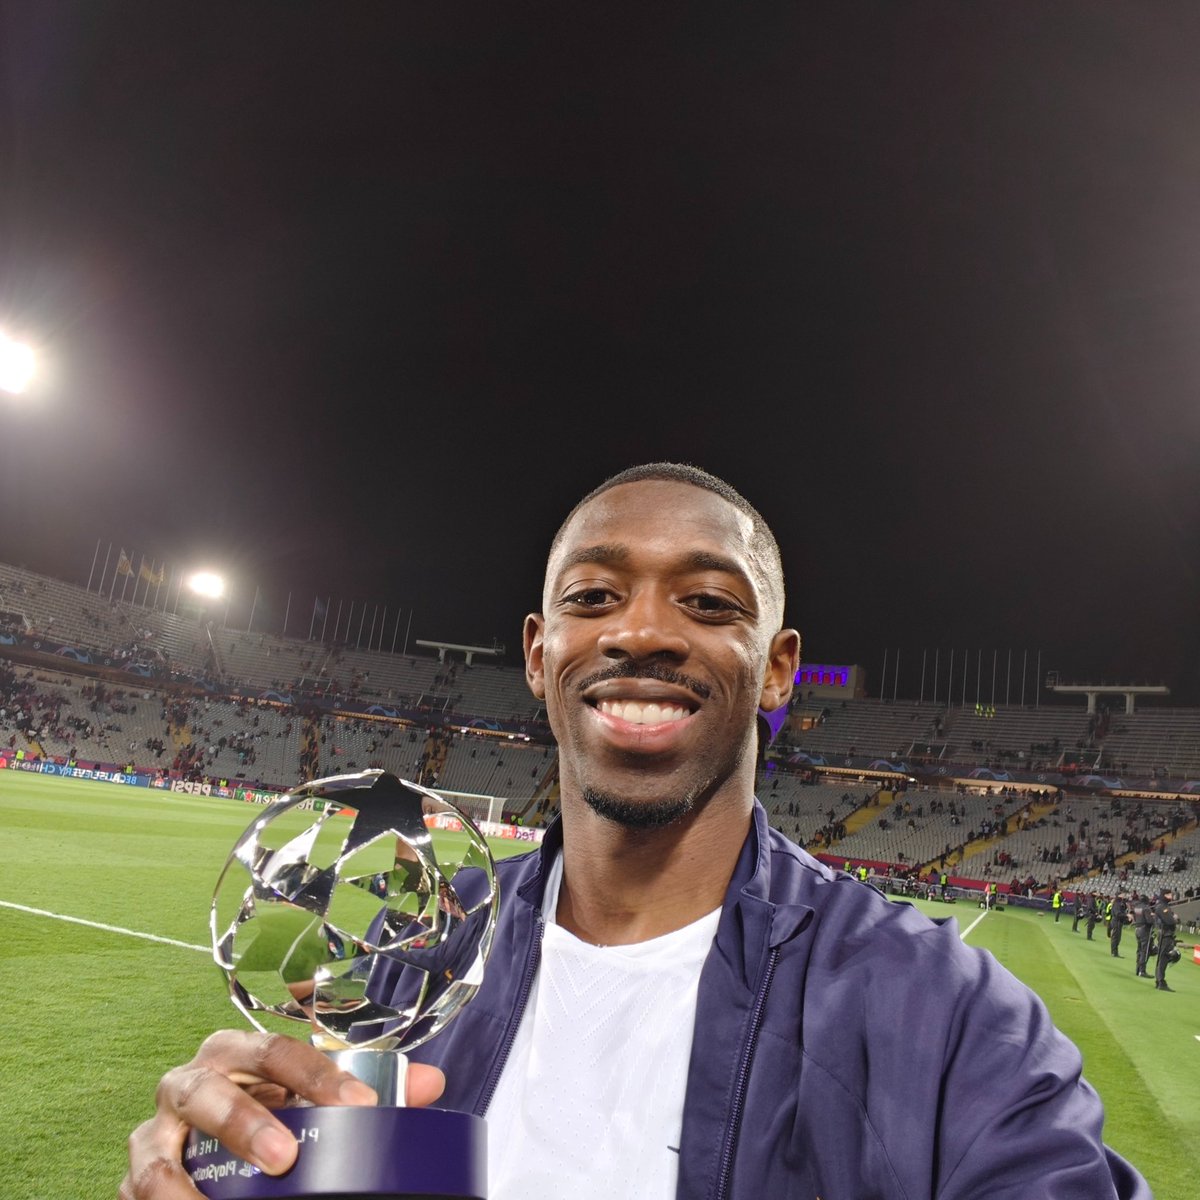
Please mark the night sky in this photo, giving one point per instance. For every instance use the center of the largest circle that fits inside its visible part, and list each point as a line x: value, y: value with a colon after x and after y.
x: 359, y: 298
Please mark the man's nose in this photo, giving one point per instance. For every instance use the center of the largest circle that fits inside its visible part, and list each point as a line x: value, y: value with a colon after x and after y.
x: 646, y: 625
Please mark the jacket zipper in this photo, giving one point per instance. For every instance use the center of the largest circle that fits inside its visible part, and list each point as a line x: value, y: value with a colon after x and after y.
x: 510, y: 1034
x: 724, y: 1175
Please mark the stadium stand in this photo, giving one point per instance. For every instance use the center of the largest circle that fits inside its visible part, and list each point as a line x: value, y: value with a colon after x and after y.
x: 1155, y: 738
x: 799, y: 809
x: 865, y: 727
x: 184, y: 717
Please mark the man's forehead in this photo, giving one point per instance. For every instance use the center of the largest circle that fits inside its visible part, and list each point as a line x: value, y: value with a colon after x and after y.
x: 656, y: 511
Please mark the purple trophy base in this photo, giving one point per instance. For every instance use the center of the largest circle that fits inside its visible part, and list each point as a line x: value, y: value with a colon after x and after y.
x: 355, y: 1153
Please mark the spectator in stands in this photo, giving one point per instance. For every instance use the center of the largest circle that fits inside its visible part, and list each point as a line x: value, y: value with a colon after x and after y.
x: 661, y: 635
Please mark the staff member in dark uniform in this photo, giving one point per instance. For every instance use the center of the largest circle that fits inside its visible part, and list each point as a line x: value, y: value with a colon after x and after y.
x: 1164, y: 922
x: 1120, y: 914
x: 1093, y: 914
x: 1143, y: 927
x: 1076, y: 911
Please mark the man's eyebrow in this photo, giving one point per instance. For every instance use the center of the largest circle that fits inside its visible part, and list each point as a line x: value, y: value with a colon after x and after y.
x: 706, y: 560
x: 606, y: 553
x: 614, y: 554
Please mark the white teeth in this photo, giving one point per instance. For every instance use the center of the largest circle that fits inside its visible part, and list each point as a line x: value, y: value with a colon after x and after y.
x: 636, y: 713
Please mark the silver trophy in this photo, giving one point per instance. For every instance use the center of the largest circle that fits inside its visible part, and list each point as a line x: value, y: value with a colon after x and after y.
x: 334, y: 911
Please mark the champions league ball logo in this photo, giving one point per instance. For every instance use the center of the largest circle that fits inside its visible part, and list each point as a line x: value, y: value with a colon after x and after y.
x: 333, y: 910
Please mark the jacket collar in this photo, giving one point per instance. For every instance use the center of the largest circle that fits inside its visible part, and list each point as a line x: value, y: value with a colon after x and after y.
x: 751, y: 921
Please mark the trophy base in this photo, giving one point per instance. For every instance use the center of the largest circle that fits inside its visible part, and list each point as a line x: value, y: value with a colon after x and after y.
x: 355, y: 1154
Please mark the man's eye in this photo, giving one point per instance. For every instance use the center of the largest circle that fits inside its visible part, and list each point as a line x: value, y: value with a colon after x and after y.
x: 710, y: 605
x: 589, y: 597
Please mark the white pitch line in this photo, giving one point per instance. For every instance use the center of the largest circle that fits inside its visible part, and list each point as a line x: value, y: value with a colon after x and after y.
x: 962, y: 937
x: 149, y: 937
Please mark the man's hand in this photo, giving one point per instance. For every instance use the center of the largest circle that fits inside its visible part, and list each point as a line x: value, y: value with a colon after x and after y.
x: 225, y: 1091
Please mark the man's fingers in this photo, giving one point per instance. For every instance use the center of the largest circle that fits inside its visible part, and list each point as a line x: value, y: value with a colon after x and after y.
x: 208, y: 1094
x: 251, y: 1058
x: 425, y: 1084
x: 155, y: 1169
x: 206, y: 1099
x: 220, y: 1093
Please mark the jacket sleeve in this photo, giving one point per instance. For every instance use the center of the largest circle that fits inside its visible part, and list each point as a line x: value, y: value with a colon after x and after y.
x: 1017, y: 1118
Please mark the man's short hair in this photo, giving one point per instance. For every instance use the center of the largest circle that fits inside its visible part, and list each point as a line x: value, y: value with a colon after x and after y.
x: 763, y: 547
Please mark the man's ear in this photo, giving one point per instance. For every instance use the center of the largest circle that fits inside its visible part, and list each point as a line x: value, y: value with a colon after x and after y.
x: 535, y: 625
x: 782, y: 663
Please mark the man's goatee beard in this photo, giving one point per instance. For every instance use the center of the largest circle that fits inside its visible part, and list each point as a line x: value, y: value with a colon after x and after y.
x: 651, y: 815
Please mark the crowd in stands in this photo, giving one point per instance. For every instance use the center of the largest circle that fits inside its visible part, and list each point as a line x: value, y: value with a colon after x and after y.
x: 1032, y: 837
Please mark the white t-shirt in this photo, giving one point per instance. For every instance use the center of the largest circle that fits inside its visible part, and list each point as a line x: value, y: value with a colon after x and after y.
x: 590, y: 1103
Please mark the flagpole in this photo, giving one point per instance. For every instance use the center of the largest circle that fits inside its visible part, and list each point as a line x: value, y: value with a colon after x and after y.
x: 325, y: 622
x: 112, y: 587
x: 286, y: 613
x: 313, y: 619
x: 253, y: 606
x: 396, y: 631
x: 104, y: 569
x: 93, y: 570
x: 407, y: 631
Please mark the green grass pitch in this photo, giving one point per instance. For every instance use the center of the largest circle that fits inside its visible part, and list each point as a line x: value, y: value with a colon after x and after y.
x: 93, y: 1018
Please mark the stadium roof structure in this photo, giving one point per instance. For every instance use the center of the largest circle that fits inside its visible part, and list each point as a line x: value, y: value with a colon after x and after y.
x: 1128, y: 690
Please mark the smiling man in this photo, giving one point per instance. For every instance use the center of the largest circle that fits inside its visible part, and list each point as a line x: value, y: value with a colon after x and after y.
x: 679, y: 1001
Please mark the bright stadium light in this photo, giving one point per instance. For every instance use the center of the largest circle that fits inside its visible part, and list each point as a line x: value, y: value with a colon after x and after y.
x: 16, y: 365
x: 205, y: 583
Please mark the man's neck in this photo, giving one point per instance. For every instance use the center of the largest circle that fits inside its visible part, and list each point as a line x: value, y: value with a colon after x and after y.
x: 622, y: 886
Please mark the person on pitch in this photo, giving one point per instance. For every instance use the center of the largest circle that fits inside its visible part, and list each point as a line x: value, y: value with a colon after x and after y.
x: 680, y: 1002
x: 1143, y: 928
x: 1165, y: 925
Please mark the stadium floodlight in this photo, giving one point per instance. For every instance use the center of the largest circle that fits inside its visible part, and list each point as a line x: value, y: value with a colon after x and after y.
x: 16, y: 364
x: 205, y: 583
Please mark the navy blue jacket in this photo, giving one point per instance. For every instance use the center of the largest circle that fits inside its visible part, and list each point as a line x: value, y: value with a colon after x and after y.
x: 845, y: 1048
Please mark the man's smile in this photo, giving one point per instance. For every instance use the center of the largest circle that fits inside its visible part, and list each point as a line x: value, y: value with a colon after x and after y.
x: 638, y: 705
x: 636, y: 713
x: 642, y: 714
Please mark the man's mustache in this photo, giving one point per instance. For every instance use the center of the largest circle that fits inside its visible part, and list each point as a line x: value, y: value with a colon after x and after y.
x: 647, y: 670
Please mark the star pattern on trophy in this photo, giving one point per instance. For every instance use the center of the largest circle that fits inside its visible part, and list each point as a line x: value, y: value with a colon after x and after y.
x: 333, y: 909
